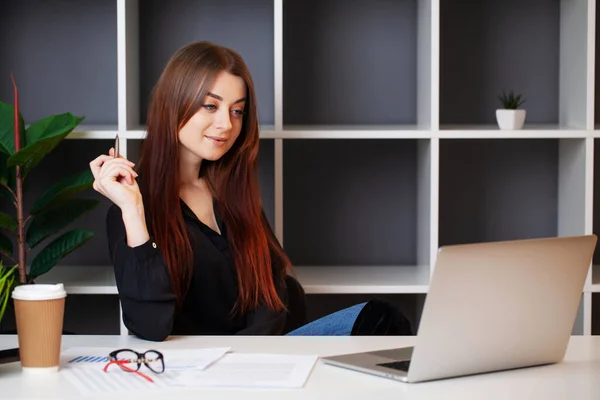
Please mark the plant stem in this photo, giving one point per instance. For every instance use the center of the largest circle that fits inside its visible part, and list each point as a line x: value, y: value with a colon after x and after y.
x: 19, y: 195
x: 21, y: 228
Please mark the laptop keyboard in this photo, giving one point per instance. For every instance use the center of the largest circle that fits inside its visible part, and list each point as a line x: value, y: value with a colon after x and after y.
x: 399, y: 365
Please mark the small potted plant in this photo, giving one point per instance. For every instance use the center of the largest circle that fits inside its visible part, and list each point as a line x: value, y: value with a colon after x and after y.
x: 510, y: 117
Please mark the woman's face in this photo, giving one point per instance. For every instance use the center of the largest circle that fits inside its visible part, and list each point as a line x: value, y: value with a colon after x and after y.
x: 211, y: 132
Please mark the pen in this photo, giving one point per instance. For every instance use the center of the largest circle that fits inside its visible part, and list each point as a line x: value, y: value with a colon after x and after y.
x: 116, y: 155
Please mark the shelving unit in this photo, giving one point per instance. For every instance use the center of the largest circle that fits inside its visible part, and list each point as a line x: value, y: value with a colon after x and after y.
x: 378, y: 141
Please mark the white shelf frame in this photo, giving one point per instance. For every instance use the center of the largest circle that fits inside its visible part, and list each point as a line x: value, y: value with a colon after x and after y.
x: 576, y: 131
x: 366, y: 132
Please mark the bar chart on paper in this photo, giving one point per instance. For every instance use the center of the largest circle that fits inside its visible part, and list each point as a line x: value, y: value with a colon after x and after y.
x: 87, y: 359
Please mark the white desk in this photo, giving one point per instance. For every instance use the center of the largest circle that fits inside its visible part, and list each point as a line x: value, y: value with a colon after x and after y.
x: 577, y: 377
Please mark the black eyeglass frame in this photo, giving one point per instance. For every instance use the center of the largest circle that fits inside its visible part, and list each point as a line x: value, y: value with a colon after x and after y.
x: 141, y: 359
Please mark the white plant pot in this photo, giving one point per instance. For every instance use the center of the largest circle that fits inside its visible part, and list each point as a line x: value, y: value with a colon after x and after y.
x: 510, y: 119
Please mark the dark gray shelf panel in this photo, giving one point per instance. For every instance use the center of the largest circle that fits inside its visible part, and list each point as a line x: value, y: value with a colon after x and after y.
x: 266, y: 172
x: 105, y: 319
x: 595, y: 313
x: 596, y: 204
x: 497, y: 189
x: 350, y: 202
x: 489, y: 46
x: 246, y: 27
x: 78, y: 320
x: 68, y: 157
x: 63, y: 54
x: 349, y: 62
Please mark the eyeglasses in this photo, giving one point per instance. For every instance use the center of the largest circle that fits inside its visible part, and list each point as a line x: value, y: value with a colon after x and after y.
x: 131, y: 361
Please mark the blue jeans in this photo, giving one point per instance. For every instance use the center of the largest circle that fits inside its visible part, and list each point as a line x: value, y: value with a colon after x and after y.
x: 339, y: 323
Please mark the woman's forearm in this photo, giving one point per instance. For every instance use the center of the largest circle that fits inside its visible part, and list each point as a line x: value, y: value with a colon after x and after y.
x: 135, y: 225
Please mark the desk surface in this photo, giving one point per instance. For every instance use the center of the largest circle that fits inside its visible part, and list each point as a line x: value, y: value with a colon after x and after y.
x: 577, y: 377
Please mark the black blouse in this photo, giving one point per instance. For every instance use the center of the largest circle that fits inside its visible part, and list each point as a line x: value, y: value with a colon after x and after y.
x: 147, y: 298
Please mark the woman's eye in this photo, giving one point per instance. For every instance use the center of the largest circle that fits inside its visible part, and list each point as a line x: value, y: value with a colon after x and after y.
x: 238, y: 113
x: 209, y: 107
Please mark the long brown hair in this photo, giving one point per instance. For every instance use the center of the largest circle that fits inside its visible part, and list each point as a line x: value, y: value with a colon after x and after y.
x: 177, y: 96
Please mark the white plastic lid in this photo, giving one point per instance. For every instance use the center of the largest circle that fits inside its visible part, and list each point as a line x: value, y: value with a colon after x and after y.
x: 39, y: 292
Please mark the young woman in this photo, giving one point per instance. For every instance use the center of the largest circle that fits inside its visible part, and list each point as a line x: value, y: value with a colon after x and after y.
x: 192, y: 250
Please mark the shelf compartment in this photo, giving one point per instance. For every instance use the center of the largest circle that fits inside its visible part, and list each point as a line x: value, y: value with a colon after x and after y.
x: 64, y: 58
x: 480, y: 46
x: 596, y: 213
x: 82, y: 279
x: 409, y: 304
x: 357, y: 202
x: 363, y: 279
x: 492, y: 190
x: 246, y: 27
x: 77, y: 317
x: 350, y: 62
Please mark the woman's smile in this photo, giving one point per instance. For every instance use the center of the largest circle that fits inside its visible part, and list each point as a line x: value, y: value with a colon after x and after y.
x: 216, y: 140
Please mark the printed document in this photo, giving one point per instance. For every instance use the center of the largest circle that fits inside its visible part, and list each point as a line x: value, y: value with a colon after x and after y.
x: 211, y: 367
x: 253, y: 370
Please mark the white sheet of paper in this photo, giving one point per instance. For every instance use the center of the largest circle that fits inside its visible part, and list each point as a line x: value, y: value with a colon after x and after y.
x: 253, y: 370
x: 83, y: 367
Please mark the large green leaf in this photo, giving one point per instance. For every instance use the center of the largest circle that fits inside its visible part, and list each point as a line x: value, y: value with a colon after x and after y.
x: 56, y: 218
x: 42, y: 137
x: 6, y: 245
x: 57, y: 249
x: 7, y: 128
x: 67, y: 186
x: 8, y: 222
x: 51, y: 126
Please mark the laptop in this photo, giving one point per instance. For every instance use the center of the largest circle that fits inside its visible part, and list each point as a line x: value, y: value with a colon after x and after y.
x: 490, y: 307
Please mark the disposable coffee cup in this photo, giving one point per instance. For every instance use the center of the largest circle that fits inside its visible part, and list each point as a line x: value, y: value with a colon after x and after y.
x: 39, y: 312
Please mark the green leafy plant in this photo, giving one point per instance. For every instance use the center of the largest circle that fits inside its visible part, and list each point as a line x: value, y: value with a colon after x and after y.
x: 511, y: 101
x: 21, y: 150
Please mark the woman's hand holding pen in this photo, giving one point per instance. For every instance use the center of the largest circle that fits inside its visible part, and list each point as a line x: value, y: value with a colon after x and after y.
x: 114, y: 178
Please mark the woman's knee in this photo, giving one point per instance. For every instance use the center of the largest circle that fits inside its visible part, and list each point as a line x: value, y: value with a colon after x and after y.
x: 379, y: 318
